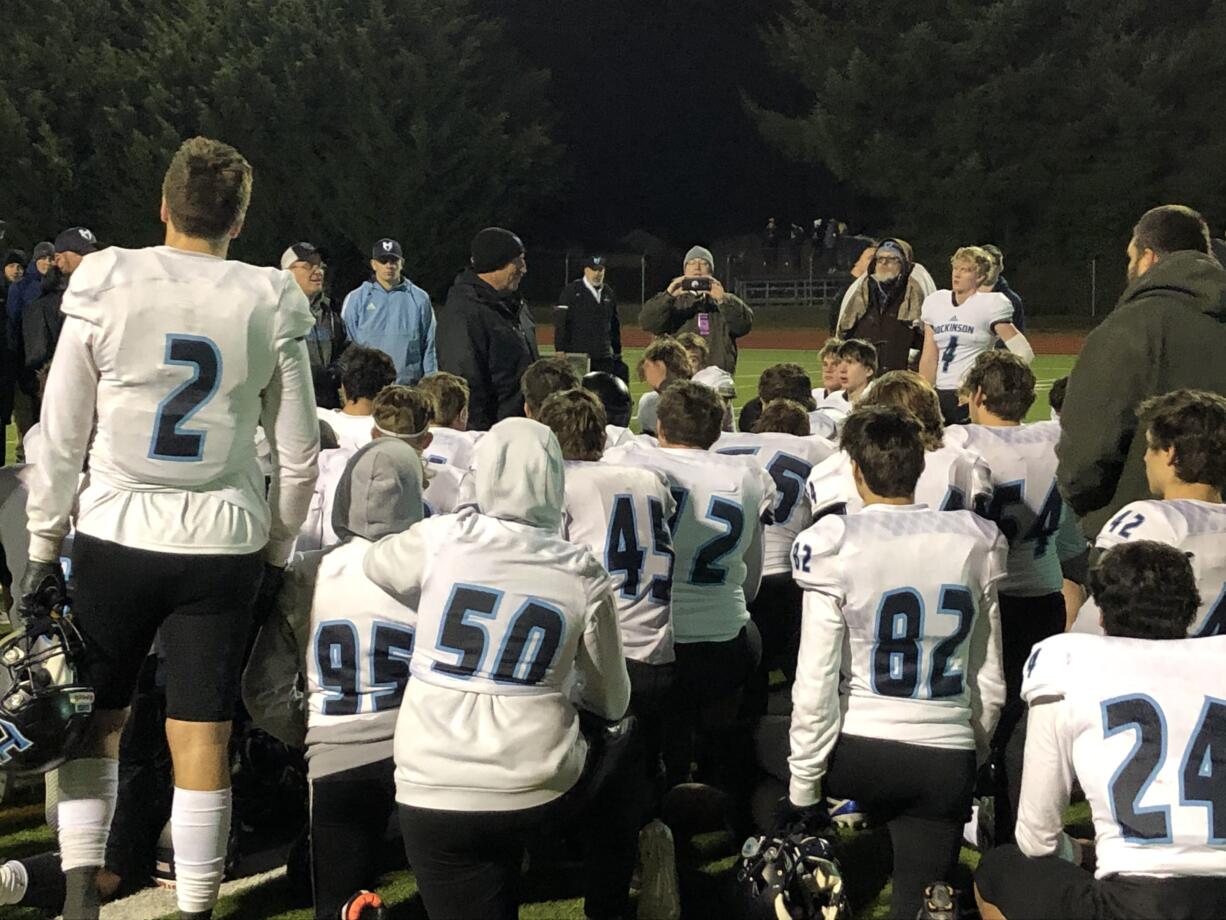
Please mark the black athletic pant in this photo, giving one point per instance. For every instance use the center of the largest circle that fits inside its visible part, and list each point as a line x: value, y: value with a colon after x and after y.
x: 922, y: 795
x: 349, y: 815
x: 466, y: 863
x: 1024, y: 621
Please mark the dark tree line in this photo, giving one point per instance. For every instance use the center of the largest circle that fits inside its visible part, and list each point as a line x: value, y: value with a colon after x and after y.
x: 361, y: 119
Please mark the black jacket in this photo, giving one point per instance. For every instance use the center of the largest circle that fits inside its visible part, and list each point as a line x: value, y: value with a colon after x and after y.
x: 326, y: 342
x: 41, y: 322
x: 489, y: 339
x: 1167, y: 332
x: 1019, y: 312
x: 585, y: 325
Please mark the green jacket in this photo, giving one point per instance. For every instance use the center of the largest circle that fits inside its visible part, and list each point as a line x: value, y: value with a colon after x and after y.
x: 1168, y: 332
x: 729, y: 320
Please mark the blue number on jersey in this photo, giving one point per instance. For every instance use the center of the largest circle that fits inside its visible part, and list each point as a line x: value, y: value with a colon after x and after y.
x: 623, y: 553
x: 1215, y: 622
x: 337, y: 654
x: 11, y: 741
x: 1124, y: 530
x: 801, y: 556
x: 1202, y: 773
x: 528, y: 649
x: 895, y: 657
x: 948, y: 355
x: 1007, y: 507
x: 790, y: 474
x: 706, y: 569
x: 171, y: 441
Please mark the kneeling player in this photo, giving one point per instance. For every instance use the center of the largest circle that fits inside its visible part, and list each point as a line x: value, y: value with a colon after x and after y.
x: 902, y: 600
x: 452, y: 442
x: 352, y: 643
x: 1185, y: 463
x: 1138, y: 719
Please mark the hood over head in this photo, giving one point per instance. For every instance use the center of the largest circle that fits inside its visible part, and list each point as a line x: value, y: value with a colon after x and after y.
x: 380, y: 491
x: 519, y: 474
x: 1195, y: 277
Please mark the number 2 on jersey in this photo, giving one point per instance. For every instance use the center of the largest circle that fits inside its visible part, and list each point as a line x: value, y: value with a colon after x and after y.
x: 171, y: 441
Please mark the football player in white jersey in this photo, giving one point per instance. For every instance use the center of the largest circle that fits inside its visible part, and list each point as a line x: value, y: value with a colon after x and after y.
x: 621, y: 514
x: 857, y: 370
x: 717, y: 528
x: 1185, y: 464
x: 664, y: 362
x: 788, y: 381
x: 1045, y: 544
x: 452, y: 443
x: 899, y: 607
x: 175, y: 355
x: 962, y: 322
x: 828, y: 359
x: 614, y: 396
x: 781, y: 443
x: 516, y: 628
x: 350, y: 643
x: 364, y: 372
x: 544, y: 377
x: 1137, y: 718
x: 953, y: 479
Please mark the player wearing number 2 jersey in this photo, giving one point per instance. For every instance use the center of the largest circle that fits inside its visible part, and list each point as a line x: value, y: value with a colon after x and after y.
x: 351, y: 643
x: 962, y: 322
x: 900, y: 610
x: 1185, y: 465
x: 169, y: 359
x: 1044, y: 542
x: 1137, y: 718
x: 511, y: 621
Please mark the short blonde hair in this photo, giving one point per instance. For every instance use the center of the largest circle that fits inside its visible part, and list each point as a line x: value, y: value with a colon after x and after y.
x: 908, y: 390
x: 977, y: 256
x: 450, y: 395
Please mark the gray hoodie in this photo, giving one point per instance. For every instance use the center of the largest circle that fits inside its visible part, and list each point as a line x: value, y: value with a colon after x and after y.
x: 329, y: 611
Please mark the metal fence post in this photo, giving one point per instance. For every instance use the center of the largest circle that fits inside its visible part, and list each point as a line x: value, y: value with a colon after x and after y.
x: 1094, y: 286
x: 643, y: 278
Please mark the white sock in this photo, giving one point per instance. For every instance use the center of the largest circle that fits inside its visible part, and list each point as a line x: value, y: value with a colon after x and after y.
x: 87, y: 789
x: 200, y: 828
x: 13, y: 882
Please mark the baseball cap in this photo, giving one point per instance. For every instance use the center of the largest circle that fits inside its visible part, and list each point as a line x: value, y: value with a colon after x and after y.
x: 77, y: 239
x: 386, y: 249
x: 301, y: 252
x: 598, y: 261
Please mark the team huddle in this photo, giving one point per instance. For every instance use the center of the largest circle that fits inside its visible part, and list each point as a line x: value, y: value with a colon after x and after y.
x: 847, y: 611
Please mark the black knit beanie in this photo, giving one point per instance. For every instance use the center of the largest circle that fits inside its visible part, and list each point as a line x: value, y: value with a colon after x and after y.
x: 493, y: 248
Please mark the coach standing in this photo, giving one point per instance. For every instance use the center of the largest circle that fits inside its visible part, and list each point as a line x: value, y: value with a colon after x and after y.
x: 394, y: 315
x: 1168, y: 331
x: 585, y: 321
x: 485, y: 333
x: 697, y: 302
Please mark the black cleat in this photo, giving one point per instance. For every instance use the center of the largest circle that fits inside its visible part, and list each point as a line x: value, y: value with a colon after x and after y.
x: 940, y: 903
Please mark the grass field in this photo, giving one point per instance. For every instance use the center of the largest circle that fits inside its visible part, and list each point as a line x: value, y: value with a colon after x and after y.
x: 705, y: 862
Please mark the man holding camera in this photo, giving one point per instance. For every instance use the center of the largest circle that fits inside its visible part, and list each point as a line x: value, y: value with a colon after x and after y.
x: 697, y: 302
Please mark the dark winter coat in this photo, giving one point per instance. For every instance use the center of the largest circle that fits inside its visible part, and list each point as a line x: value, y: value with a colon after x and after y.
x: 42, y: 321
x: 665, y: 314
x: 1167, y: 332
x: 326, y: 342
x: 587, y: 326
x: 489, y: 339
x: 1019, y: 313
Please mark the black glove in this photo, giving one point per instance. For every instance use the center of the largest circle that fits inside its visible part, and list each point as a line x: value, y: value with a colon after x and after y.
x: 811, y: 819
x: 42, y: 588
x: 266, y: 596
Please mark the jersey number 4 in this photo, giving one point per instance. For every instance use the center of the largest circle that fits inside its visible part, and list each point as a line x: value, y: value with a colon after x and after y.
x: 171, y: 440
x: 1202, y: 773
x: 948, y: 355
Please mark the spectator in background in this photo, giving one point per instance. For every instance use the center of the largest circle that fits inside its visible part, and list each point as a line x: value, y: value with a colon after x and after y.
x: 14, y: 268
x: 394, y: 315
x: 41, y: 319
x: 364, y: 372
x: 697, y: 302
x: 22, y: 292
x: 486, y: 334
x: 998, y: 284
x: 327, y: 340
x: 883, y: 308
x: 1167, y: 332
x: 585, y: 320
x: 858, y: 270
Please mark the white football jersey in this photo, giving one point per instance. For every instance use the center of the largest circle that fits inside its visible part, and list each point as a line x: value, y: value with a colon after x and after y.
x: 316, y: 532
x: 953, y: 479
x: 1025, y: 502
x: 356, y: 661
x: 442, y: 493
x: 824, y: 424
x: 452, y: 447
x: 962, y: 331
x: 1197, y: 528
x: 621, y: 514
x: 721, y: 504
x: 616, y: 437
x: 174, y: 356
x: 1143, y: 725
x: 789, y: 460
x: 353, y: 432
x: 915, y: 591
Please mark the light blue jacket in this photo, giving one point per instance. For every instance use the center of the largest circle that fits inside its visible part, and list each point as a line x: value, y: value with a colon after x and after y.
x: 399, y: 322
